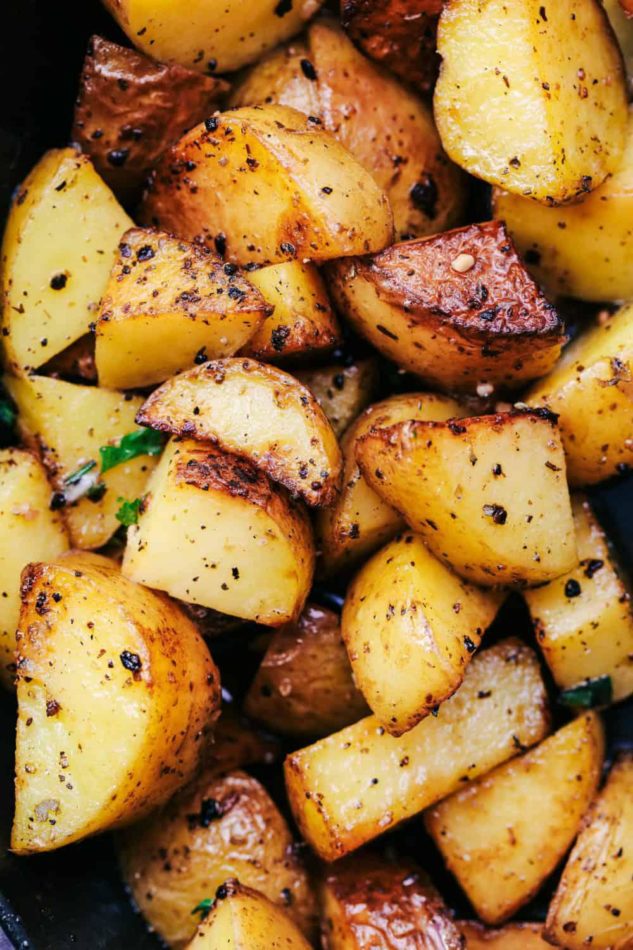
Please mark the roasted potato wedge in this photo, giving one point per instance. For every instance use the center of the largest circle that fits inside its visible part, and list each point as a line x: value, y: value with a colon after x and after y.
x: 357, y: 783
x: 503, y: 835
x: 267, y: 185
x: 368, y: 902
x: 591, y: 391
x: 411, y: 627
x: 220, y: 827
x: 458, y: 309
x: 258, y: 412
x: 341, y: 389
x: 304, y: 685
x: 130, y: 108
x: 84, y: 766
x: 387, y: 128
x: 243, y: 919
x: 583, y: 620
x: 359, y: 521
x: 302, y: 324
x: 29, y: 531
x: 488, y: 494
x: 68, y: 424
x: 215, y: 531
x: 169, y: 304
x: 520, y: 936
x: 59, y: 244
x: 593, y: 905
x: 235, y: 743
x: 561, y: 66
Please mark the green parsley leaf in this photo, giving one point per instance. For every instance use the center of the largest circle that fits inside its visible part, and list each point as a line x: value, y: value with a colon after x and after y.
x: 204, y: 908
x: 140, y: 442
x: 129, y: 511
x: 591, y: 692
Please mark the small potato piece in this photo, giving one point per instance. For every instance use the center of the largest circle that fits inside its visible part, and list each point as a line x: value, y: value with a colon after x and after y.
x: 267, y: 185
x: 258, y: 412
x: 68, y: 424
x: 166, y: 304
x: 488, y: 494
x: 357, y: 783
x: 367, y: 902
x: 359, y: 521
x: 583, y: 620
x: 502, y: 835
x: 411, y: 627
x: 591, y: 391
x: 59, y: 244
x: 243, y: 919
x: 116, y: 689
x: 593, y: 905
x: 76, y: 363
x: 304, y: 686
x: 137, y: 107
x: 29, y: 531
x: 559, y: 65
x: 457, y: 309
x: 511, y: 937
x: 220, y: 827
x: 235, y: 743
x: 215, y: 531
x: 621, y: 25
x: 302, y: 324
x: 341, y: 389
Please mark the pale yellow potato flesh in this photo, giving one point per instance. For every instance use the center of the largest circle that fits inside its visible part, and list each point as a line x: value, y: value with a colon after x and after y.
x: 216, y: 532
x: 68, y: 424
x: 59, y: 245
x: 593, y: 905
x: 521, y: 936
x: 488, y: 494
x: 116, y: 689
x: 354, y: 785
x: 411, y: 627
x: 531, y: 96
x: 29, y: 531
x: 502, y: 835
x: 591, y: 390
x: 583, y: 620
x: 256, y: 411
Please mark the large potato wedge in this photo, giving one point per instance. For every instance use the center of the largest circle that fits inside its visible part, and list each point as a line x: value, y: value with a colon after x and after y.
x: 359, y: 521
x: 342, y: 389
x: 267, y: 185
x: 366, y: 899
x: 258, y: 412
x: 521, y: 936
x: 215, y: 531
x: 593, y: 905
x: 130, y: 108
x: 29, y: 531
x: 243, y: 919
x: 220, y: 35
x: 583, y: 620
x: 458, y: 309
x: 304, y: 685
x: 488, y: 494
x: 504, y: 834
x: 68, y: 425
x: 591, y: 391
x: 220, y: 827
x: 531, y: 97
x: 357, y: 783
x: 62, y: 233
x: 411, y: 627
x: 115, y: 692
x: 169, y: 304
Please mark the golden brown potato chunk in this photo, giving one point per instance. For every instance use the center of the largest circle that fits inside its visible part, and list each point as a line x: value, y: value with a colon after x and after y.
x: 130, y: 108
x: 458, y: 309
x: 531, y: 96
x: 368, y: 902
x: 304, y: 686
x: 220, y: 827
x: 342, y: 389
x: 521, y: 936
x: 267, y: 185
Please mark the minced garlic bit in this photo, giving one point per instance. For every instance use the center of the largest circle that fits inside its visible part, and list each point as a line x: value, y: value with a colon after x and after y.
x: 485, y: 389
x: 463, y: 263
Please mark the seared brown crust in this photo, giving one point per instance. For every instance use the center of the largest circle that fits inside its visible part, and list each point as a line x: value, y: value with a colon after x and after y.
x: 210, y: 469
x: 399, y: 34
x: 130, y: 108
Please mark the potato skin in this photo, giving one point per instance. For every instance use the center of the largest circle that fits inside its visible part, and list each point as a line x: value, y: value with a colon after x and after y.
x: 130, y: 108
x: 220, y: 827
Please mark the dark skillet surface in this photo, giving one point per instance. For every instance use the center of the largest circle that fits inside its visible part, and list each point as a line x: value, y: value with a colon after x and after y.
x: 74, y: 897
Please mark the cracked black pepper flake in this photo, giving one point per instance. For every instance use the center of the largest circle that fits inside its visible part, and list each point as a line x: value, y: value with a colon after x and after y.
x: 592, y: 567
x: 572, y: 588
x: 145, y: 253
x: 118, y: 157
x: 58, y: 281
x: 308, y: 70
x: 131, y: 661
x: 230, y: 269
x: 287, y: 248
x: 211, y: 124
x: 470, y: 645
x: 52, y: 707
x: 497, y: 512
x: 201, y: 356
x: 278, y: 338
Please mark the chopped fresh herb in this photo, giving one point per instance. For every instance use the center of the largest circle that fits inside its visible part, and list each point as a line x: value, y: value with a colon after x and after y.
x: 8, y: 415
x: 204, y: 908
x: 75, y: 477
x: 140, y: 442
x: 591, y: 692
x: 129, y: 511
x: 96, y: 492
